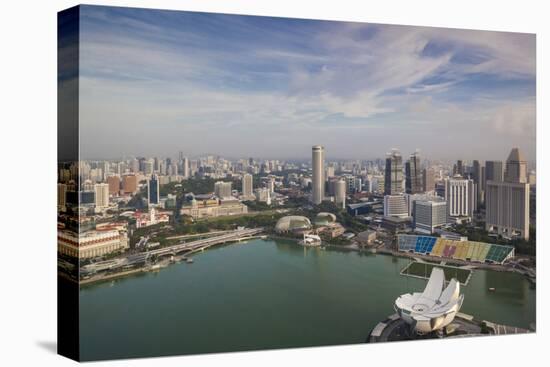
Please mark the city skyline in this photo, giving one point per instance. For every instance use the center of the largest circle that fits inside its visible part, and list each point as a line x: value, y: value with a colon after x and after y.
x: 155, y: 81
x: 292, y: 162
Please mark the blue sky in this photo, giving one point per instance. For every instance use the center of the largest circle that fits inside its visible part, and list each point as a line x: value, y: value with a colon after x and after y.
x: 159, y: 82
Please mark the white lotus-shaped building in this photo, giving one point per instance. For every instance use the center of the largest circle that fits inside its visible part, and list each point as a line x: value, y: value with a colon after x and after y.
x: 434, y: 308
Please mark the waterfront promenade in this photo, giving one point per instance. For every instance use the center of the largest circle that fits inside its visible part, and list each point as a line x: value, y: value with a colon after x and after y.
x: 136, y: 263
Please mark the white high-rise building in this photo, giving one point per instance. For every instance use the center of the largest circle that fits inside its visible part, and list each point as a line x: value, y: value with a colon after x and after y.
x: 247, y: 186
x: 461, y: 197
x: 101, y: 195
x: 340, y: 193
x: 222, y: 189
x: 429, y: 214
x: 185, y: 168
x: 318, y: 179
x: 271, y: 184
x: 507, y: 202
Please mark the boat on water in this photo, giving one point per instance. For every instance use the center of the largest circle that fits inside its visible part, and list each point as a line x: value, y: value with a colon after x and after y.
x: 189, y: 260
x: 310, y: 240
x: 492, y: 289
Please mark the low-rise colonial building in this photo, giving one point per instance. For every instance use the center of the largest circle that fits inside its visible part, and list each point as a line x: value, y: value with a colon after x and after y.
x: 92, y: 243
x: 214, y: 208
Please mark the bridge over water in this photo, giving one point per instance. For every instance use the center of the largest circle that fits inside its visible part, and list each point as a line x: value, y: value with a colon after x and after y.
x: 184, y: 247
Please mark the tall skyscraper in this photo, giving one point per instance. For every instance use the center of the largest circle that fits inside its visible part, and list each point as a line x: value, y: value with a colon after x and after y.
x: 413, y: 175
x: 318, y: 179
x: 507, y: 202
x: 476, y: 177
x: 153, y: 194
x: 247, y: 186
x: 393, y: 183
x: 460, y: 197
x: 340, y: 193
x: 101, y: 195
x: 185, y: 168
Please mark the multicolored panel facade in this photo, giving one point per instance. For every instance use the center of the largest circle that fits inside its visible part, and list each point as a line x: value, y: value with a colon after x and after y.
x: 453, y: 249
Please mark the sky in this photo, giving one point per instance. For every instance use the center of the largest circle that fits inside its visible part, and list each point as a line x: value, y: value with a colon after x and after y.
x: 154, y: 83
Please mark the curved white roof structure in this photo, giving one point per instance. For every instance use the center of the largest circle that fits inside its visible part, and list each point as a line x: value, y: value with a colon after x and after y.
x: 324, y: 218
x: 292, y: 223
x: 434, y: 308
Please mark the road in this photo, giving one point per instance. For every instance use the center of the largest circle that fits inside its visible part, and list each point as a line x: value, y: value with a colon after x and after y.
x: 184, y: 247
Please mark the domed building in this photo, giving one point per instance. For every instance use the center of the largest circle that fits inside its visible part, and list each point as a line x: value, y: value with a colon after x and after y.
x: 324, y: 219
x: 292, y: 223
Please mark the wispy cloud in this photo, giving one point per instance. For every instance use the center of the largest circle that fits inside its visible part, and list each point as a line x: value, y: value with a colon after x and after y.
x: 173, y: 76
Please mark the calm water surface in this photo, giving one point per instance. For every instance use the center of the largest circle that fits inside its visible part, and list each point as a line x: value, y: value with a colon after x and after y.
x: 268, y: 294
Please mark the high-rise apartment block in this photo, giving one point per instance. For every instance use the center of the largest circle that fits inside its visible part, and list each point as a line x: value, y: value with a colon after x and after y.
x: 101, y: 195
x: 222, y: 189
x: 247, y: 186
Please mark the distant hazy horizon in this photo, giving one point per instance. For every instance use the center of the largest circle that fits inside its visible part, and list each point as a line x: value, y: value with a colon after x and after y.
x: 306, y: 159
x: 153, y: 83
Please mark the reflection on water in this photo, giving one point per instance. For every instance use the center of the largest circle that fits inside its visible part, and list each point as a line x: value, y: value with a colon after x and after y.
x: 505, y: 287
x: 269, y: 294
